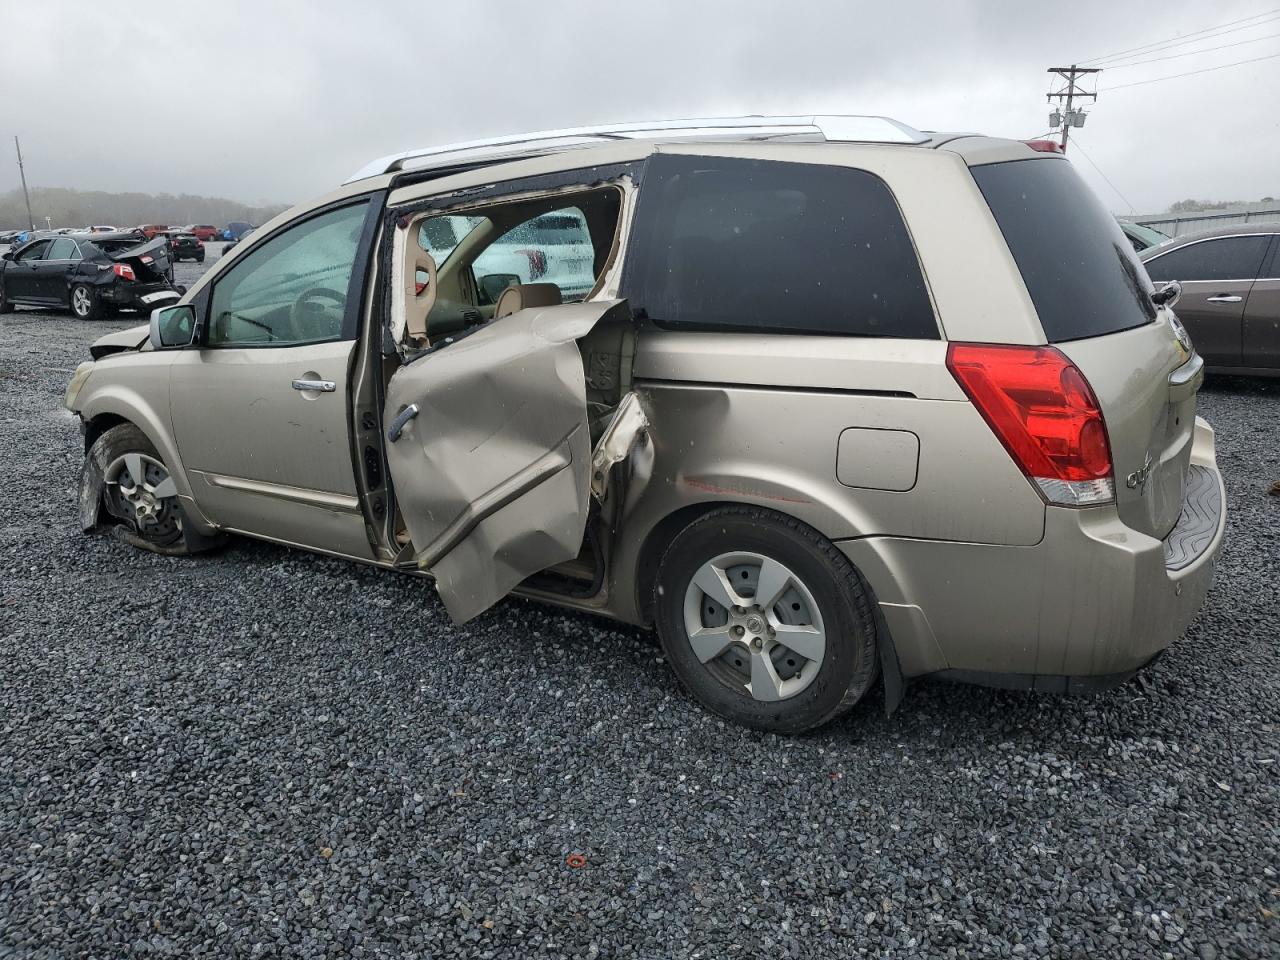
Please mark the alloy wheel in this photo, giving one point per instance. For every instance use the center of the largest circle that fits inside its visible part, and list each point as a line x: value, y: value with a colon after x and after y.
x: 754, y: 625
x: 81, y: 302
x: 140, y: 492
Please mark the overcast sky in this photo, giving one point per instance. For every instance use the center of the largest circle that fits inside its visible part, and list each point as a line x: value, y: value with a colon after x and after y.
x: 283, y: 99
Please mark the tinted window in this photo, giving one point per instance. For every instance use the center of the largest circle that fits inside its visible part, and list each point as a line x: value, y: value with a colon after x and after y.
x: 1231, y: 258
x: 765, y: 246
x: 292, y: 288
x: 1080, y: 269
x: 35, y: 251
x: 62, y: 249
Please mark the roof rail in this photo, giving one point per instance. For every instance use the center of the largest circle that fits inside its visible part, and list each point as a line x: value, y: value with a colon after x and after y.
x: 832, y: 128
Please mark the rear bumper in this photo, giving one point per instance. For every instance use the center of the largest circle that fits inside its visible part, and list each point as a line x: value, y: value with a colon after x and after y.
x: 1086, y: 607
x: 131, y: 294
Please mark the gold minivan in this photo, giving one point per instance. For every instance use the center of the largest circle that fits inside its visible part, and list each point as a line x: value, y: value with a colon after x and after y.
x: 821, y: 398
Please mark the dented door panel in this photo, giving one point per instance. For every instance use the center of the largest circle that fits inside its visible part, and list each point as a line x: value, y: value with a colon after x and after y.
x: 493, y: 474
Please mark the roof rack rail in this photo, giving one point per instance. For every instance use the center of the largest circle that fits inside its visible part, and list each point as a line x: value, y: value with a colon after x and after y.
x: 832, y: 128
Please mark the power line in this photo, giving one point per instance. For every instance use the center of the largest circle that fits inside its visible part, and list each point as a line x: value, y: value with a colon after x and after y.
x: 1182, y: 38
x: 1192, y: 73
x: 1192, y: 53
x: 1104, y: 176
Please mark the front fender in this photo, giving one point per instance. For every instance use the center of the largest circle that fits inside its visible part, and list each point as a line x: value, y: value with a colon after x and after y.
x: 135, y: 387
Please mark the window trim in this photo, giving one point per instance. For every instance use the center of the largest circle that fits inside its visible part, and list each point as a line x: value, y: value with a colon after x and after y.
x: 1262, y: 264
x: 627, y: 279
x: 357, y: 285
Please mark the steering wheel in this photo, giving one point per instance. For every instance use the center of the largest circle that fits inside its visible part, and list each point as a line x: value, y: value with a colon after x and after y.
x: 310, y: 320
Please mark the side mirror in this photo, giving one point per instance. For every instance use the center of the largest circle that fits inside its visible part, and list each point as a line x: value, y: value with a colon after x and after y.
x: 492, y: 285
x: 1167, y: 295
x: 173, y: 327
x: 7, y: 255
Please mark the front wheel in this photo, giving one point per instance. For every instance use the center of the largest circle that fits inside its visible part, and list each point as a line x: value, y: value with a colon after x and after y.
x: 764, y: 620
x: 137, y: 490
x: 84, y: 302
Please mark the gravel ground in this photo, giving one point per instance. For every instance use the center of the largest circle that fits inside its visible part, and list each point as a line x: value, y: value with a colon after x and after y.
x: 266, y: 753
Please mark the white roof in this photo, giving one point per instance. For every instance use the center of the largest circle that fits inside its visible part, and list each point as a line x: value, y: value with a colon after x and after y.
x: 832, y: 128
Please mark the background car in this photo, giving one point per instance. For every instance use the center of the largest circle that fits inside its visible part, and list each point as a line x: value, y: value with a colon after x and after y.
x: 186, y: 246
x: 202, y: 231
x: 1230, y: 300
x: 236, y: 229
x: 90, y: 274
x: 1142, y: 237
x: 226, y: 247
x: 149, y: 230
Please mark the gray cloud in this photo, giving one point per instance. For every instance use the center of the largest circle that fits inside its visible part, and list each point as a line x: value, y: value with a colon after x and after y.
x: 280, y: 101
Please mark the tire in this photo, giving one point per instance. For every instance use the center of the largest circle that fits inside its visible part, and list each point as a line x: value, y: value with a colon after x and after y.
x: 83, y: 301
x: 149, y: 510
x: 200, y: 258
x: 5, y: 305
x: 823, y: 595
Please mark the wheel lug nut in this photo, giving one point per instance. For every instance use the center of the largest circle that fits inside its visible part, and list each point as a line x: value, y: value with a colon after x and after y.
x: 738, y: 631
x: 756, y: 643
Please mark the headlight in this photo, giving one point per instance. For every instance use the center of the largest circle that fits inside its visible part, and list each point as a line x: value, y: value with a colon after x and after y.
x: 78, y: 380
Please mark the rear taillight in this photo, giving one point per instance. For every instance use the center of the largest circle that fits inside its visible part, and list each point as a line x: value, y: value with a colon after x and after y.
x: 123, y: 271
x: 1044, y: 412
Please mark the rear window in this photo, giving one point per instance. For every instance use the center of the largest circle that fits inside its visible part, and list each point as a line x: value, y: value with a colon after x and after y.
x: 764, y: 246
x: 1081, y: 271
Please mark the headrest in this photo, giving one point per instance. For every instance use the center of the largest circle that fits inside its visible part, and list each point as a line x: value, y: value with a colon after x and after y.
x: 521, y: 296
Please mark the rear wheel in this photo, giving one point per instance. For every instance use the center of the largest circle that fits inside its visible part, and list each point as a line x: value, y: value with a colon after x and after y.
x: 84, y: 302
x: 764, y: 620
x: 137, y: 490
x: 5, y: 306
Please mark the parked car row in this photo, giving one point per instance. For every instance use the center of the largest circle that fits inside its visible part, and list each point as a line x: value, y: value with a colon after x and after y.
x: 204, y: 232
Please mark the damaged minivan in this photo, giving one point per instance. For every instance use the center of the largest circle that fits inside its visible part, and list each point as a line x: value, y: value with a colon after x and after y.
x: 816, y: 397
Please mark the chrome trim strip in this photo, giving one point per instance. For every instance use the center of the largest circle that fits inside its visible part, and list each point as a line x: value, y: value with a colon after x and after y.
x: 312, y: 498
x: 831, y: 128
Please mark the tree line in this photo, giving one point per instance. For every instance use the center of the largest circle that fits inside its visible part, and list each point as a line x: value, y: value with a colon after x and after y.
x: 66, y: 207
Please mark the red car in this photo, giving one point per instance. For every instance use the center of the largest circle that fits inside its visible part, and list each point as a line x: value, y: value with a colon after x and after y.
x: 203, y: 231
x: 149, y: 230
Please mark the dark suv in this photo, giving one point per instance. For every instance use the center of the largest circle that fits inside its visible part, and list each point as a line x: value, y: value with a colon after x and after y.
x: 88, y: 273
x: 186, y: 246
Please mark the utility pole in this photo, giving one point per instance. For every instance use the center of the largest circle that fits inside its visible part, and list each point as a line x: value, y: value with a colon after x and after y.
x: 23, y: 174
x: 1066, y: 114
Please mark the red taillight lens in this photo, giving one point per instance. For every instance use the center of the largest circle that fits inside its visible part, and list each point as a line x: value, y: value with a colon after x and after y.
x: 1044, y: 146
x: 1044, y: 412
x: 123, y: 271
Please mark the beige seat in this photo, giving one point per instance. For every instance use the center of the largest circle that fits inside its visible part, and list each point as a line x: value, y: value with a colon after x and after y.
x: 520, y: 296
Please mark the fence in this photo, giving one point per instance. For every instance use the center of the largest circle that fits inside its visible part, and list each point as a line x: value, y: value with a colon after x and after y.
x: 1176, y: 225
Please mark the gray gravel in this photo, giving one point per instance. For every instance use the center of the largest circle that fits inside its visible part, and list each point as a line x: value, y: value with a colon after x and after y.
x: 267, y: 753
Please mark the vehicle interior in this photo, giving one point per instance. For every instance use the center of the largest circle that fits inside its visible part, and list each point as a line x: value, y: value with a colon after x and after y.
x: 487, y: 263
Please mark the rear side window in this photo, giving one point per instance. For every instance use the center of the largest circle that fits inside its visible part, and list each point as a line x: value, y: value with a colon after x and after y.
x: 1229, y: 258
x: 764, y: 246
x: 1080, y: 269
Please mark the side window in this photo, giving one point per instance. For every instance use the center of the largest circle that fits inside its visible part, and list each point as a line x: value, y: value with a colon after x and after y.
x: 62, y: 249
x: 552, y: 247
x: 35, y: 252
x: 440, y: 235
x: 290, y: 289
x: 773, y: 247
x: 1231, y: 258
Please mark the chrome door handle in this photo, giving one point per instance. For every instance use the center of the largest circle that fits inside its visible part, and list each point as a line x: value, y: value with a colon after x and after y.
x: 319, y: 386
x: 1225, y: 298
x: 403, y: 417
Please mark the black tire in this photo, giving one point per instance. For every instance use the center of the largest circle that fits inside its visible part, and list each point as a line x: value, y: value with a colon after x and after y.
x: 83, y: 301
x: 200, y: 258
x: 5, y: 305
x: 849, y: 663
x: 114, y: 444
